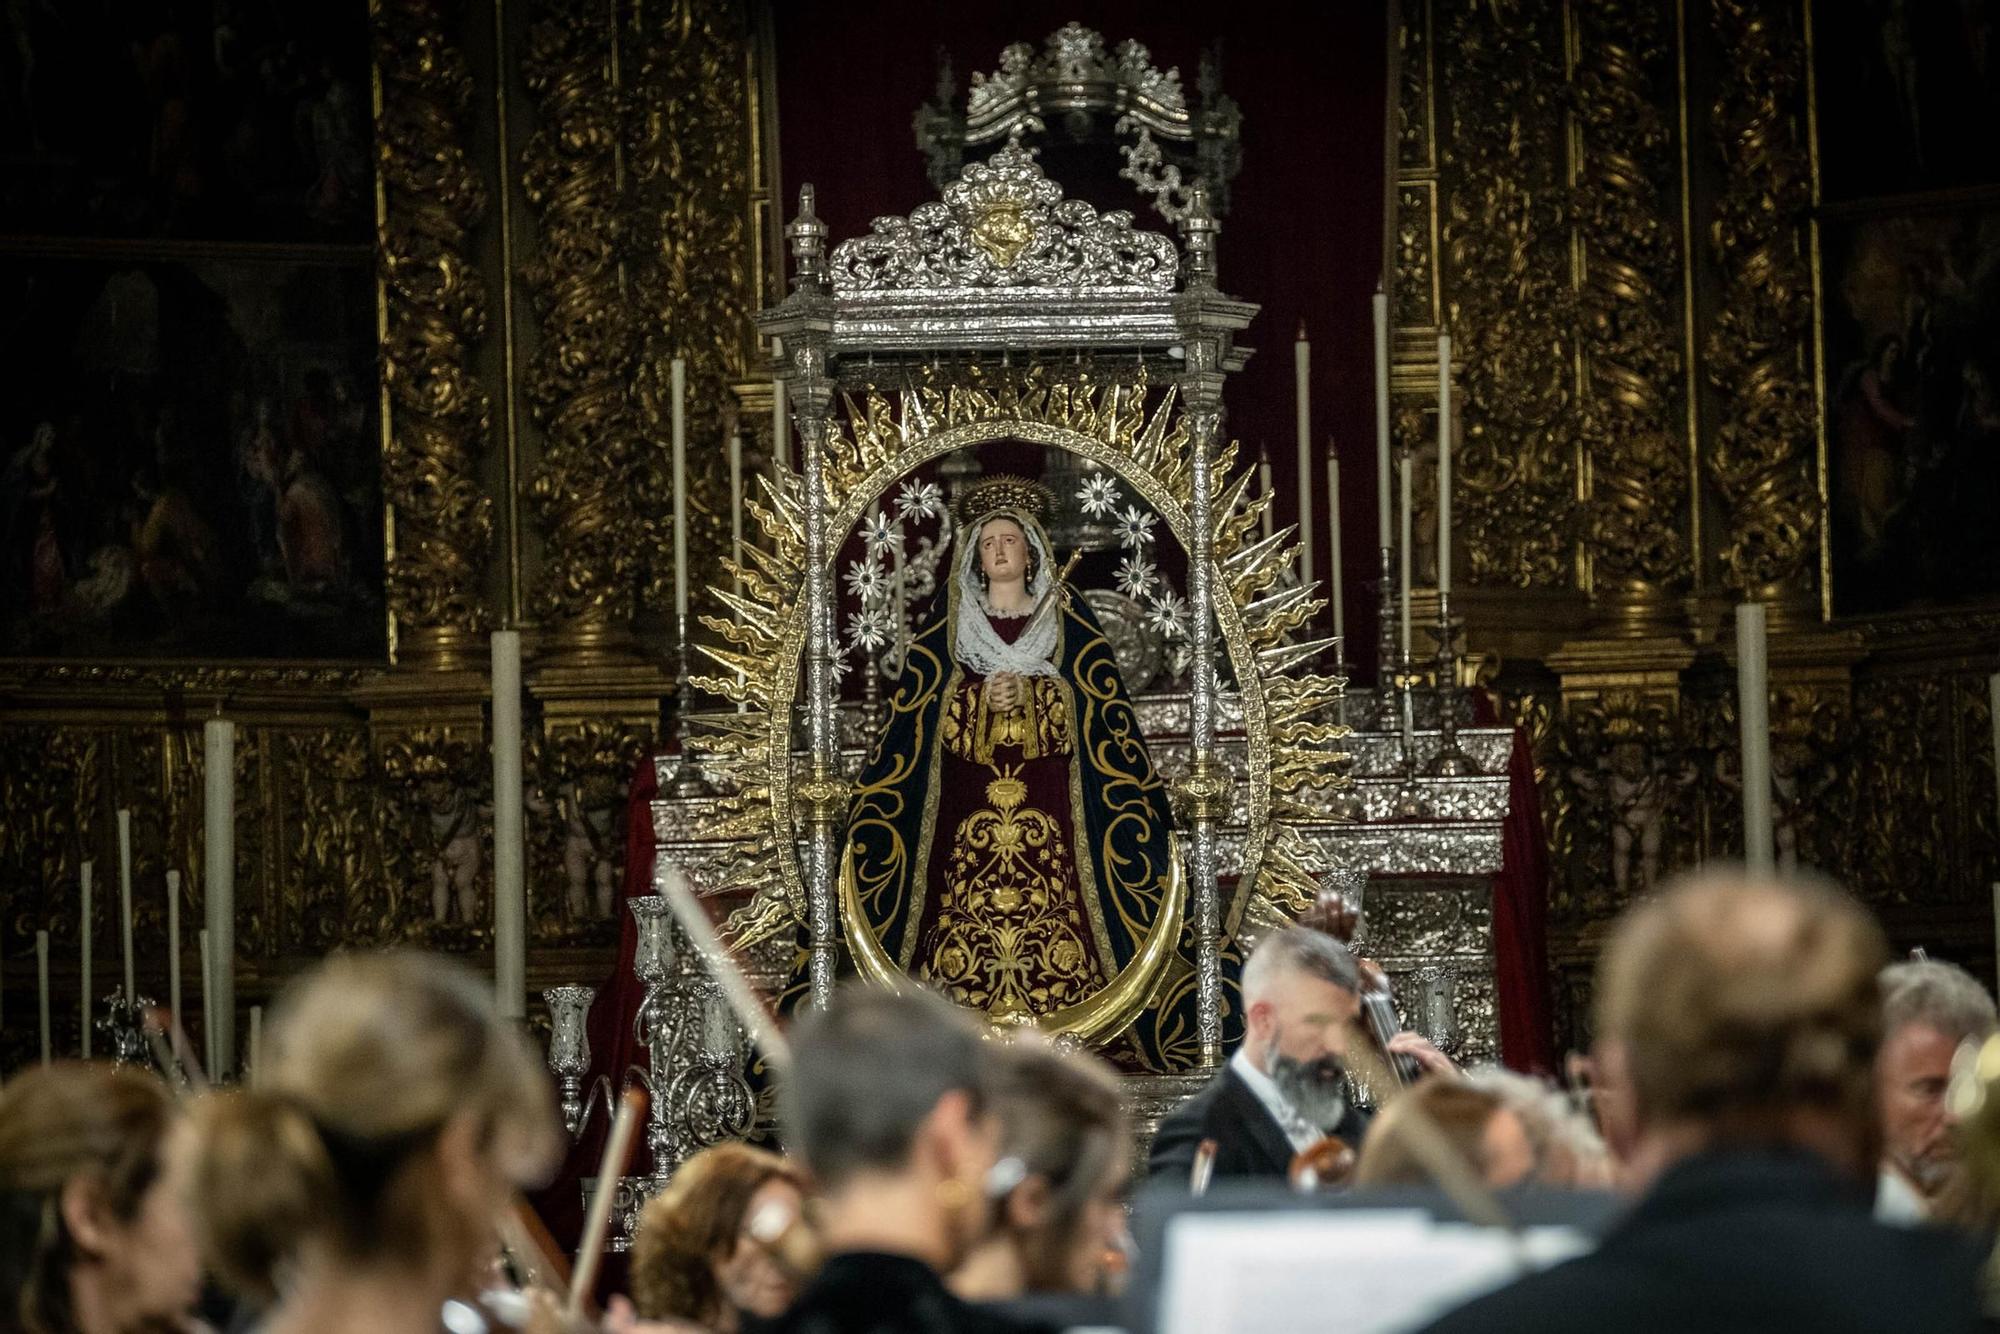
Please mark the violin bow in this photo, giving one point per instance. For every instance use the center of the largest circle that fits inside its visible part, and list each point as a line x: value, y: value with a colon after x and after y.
x: 618, y: 1146
x: 736, y: 989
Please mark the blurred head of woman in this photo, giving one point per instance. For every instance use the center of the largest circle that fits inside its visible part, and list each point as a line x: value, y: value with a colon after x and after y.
x: 696, y: 1256
x: 94, y: 1232
x: 1487, y: 1135
x: 362, y: 1182
x: 1061, y: 1229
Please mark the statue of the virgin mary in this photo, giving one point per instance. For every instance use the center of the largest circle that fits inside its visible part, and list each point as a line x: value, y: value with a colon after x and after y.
x: 1009, y: 842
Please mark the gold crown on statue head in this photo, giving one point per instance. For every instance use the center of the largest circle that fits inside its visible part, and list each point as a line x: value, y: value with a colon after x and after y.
x: 1003, y: 492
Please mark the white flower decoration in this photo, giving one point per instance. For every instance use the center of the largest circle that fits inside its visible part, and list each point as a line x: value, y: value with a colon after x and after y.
x: 919, y: 500
x: 1135, y: 527
x: 865, y: 579
x: 1135, y: 576
x: 882, y: 534
x: 1099, y: 495
x: 868, y: 628
x: 1169, y: 615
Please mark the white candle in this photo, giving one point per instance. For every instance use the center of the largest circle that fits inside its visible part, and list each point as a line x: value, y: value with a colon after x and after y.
x: 83, y: 951
x: 1333, y: 526
x: 1382, y: 516
x: 781, y: 425
x: 1269, y: 521
x: 174, y: 945
x: 736, y: 506
x: 207, y: 998
x: 1404, y: 544
x: 1444, y: 463
x: 679, y: 377
x: 1302, y: 368
x: 1753, y: 711
x: 42, y: 990
x: 125, y: 901
x: 510, y: 898
x: 218, y: 736
x: 255, y: 1056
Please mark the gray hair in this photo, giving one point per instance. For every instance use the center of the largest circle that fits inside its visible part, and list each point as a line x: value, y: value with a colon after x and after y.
x: 868, y: 1069
x: 1941, y: 995
x: 1298, y: 949
x: 1567, y: 1146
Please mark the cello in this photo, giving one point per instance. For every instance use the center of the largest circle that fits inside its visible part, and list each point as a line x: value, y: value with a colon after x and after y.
x: 1329, y: 1163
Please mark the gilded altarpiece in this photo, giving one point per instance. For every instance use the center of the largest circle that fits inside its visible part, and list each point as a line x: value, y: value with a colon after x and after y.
x: 1615, y: 209
x: 564, y: 201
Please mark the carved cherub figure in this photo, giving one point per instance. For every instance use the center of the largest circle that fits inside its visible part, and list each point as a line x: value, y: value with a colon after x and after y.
x: 457, y: 854
x: 1637, y: 788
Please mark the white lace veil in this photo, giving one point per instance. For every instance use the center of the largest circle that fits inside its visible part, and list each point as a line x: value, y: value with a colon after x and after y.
x: 976, y: 643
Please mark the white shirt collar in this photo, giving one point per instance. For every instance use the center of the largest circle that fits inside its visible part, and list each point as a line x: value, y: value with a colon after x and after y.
x: 1897, y: 1201
x: 1301, y: 1132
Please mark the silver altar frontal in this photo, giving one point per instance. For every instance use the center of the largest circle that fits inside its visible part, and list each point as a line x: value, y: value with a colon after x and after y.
x: 1004, y: 311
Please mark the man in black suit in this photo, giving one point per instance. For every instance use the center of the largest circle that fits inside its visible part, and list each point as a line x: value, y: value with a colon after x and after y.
x: 1285, y: 1089
x: 1738, y: 1020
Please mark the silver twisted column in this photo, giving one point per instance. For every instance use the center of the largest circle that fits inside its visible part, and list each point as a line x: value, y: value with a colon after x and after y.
x: 1204, y: 791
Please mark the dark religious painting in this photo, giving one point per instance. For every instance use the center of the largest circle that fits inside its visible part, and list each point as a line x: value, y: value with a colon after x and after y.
x: 192, y: 460
x: 1908, y: 96
x: 236, y: 119
x: 1912, y: 305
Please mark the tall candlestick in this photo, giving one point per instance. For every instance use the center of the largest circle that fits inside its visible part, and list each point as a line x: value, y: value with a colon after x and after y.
x: 1302, y: 368
x: 1753, y: 712
x: 1403, y: 555
x: 679, y: 377
x: 174, y: 944
x: 125, y: 899
x: 1382, y: 518
x: 1269, y: 521
x: 1444, y: 463
x: 1333, y: 525
x: 218, y: 736
x: 42, y: 990
x: 83, y: 951
x: 206, y: 962
x: 510, y: 897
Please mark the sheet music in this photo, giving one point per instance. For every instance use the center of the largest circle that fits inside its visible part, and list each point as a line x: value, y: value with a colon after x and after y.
x: 1358, y: 1271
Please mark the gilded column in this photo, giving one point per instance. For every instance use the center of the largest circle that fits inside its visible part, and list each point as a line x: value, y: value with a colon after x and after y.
x: 583, y: 491
x: 1508, y: 270
x: 1763, y: 459
x: 688, y: 150
x: 1633, y: 416
x: 434, y: 312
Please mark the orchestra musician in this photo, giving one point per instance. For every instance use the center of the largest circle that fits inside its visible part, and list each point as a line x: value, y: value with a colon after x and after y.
x: 1286, y: 1089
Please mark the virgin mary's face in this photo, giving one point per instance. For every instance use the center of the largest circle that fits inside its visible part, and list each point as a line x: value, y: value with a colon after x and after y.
x: 1003, y: 551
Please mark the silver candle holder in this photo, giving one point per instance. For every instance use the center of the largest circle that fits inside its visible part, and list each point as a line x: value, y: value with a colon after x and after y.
x: 1387, y: 716
x: 687, y: 780
x: 569, y: 1050
x: 1451, y: 761
x: 1410, y: 803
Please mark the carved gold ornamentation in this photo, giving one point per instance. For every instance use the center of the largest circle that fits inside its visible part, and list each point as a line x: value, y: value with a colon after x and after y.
x: 1632, y: 418
x: 578, y: 383
x: 686, y: 195
x: 1507, y: 268
x: 431, y: 198
x: 1758, y: 350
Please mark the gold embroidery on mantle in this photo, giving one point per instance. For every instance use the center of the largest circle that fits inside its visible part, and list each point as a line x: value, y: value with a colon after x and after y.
x: 1037, y: 728
x: 1009, y: 933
